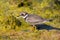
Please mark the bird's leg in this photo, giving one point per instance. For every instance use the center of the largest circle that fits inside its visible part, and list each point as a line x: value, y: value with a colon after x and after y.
x: 34, y: 27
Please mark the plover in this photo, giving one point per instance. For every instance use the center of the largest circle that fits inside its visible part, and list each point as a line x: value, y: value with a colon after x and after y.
x: 33, y: 19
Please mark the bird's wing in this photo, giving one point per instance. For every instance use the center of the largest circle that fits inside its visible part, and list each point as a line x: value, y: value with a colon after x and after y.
x: 34, y: 18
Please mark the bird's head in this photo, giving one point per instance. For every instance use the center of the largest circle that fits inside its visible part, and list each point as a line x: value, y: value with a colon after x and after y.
x: 23, y: 14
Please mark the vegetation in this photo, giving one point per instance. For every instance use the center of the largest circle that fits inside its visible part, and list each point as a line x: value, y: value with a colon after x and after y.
x: 13, y: 28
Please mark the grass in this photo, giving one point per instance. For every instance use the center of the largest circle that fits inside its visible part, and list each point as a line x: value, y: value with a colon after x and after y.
x: 12, y: 28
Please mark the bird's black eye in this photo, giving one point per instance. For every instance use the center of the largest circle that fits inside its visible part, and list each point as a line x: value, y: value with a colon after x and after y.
x: 22, y: 14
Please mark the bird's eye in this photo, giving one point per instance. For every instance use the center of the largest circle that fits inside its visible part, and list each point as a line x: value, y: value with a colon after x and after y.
x: 22, y: 14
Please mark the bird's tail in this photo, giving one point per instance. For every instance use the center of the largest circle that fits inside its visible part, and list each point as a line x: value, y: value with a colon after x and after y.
x: 49, y: 20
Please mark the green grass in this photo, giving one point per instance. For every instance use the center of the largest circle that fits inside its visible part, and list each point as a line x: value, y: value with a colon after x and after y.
x: 10, y: 28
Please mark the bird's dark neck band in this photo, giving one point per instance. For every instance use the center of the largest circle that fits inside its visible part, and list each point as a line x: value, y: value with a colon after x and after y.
x: 26, y: 16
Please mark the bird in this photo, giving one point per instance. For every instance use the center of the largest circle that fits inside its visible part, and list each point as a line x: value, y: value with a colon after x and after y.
x: 33, y: 19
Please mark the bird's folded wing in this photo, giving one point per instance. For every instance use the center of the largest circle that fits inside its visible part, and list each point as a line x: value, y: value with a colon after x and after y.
x: 35, y: 19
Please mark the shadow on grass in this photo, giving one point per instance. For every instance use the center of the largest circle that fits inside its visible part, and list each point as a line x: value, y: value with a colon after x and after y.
x: 47, y: 27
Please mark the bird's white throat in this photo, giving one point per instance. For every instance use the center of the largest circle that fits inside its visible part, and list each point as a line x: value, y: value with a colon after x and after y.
x: 25, y: 16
